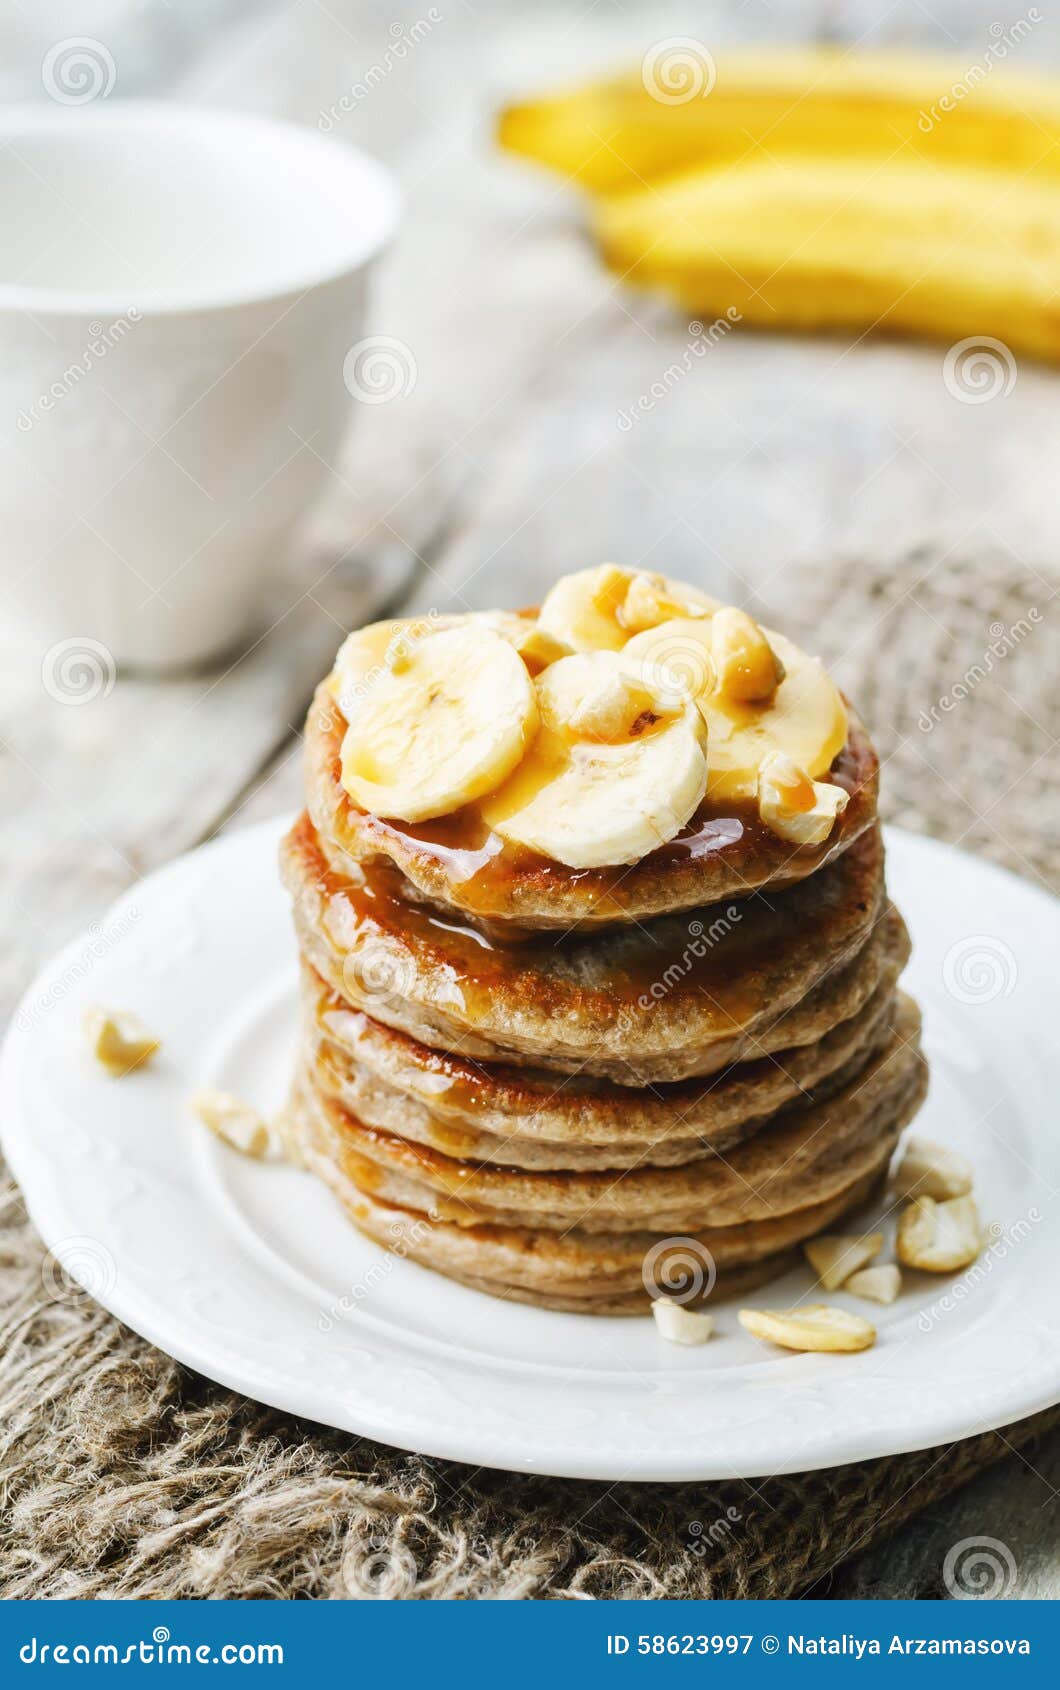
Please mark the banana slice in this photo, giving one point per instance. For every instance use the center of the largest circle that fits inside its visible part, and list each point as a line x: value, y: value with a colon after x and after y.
x: 805, y: 718
x: 599, y: 609
x: 369, y: 653
x: 617, y: 769
x: 444, y: 726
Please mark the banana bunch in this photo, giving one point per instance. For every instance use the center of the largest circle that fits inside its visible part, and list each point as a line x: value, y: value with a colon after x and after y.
x: 814, y: 189
x: 590, y: 733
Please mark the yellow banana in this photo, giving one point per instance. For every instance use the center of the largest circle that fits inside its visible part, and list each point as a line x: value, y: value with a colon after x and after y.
x: 852, y: 243
x: 617, y: 135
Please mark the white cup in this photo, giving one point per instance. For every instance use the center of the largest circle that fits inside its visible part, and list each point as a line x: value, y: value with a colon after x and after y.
x: 179, y: 291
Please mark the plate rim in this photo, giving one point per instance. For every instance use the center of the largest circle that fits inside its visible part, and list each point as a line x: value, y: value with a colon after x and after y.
x: 304, y: 1401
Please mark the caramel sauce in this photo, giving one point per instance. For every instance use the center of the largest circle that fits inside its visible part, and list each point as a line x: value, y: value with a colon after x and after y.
x: 731, y: 962
x: 480, y: 867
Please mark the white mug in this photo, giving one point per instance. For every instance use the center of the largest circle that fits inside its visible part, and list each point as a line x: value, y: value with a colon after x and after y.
x: 182, y: 296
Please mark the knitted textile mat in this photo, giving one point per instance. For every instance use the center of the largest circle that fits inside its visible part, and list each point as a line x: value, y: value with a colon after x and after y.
x: 129, y: 1476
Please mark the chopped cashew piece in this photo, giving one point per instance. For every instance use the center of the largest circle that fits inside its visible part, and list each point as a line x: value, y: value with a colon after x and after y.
x: 814, y: 1326
x: 539, y: 648
x: 236, y: 1123
x: 930, y: 1170
x: 939, y: 1237
x: 610, y: 709
x: 794, y: 806
x: 834, y: 1259
x: 879, y: 1284
x: 535, y: 645
x: 680, y: 1325
x: 749, y: 670
x: 118, y: 1040
x: 649, y: 602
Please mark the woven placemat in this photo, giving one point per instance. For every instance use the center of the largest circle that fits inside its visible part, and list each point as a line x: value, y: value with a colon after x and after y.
x: 129, y: 1476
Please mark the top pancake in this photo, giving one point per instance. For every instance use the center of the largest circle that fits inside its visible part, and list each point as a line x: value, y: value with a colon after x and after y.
x: 456, y: 861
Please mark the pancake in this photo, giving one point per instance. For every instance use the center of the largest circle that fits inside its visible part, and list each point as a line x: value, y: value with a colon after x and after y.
x: 391, y: 1112
x: 455, y: 861
x: 679, y: 997
x: 591, y: 1273
x: 806, y: 1155
x: 531, y: 1118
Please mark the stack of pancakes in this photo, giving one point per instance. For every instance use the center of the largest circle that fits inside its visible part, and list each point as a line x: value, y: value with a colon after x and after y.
x: 576, y: 1088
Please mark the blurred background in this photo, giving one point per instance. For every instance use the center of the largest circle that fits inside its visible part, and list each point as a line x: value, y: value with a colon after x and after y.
x: 527, y: 423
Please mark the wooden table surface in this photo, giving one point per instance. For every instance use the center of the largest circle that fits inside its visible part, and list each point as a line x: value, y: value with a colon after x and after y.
x: 506, y: 463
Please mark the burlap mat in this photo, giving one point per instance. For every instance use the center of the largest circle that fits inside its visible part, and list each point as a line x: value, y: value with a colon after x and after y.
x: 129, y: 1476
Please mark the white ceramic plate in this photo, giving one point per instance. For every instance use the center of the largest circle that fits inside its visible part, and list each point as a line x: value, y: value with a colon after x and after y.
x: 251, y: 1274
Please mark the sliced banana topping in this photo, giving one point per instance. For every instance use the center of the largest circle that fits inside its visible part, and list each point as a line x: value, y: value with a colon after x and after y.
x: 805, y: 718
x: 441, y: 710
x: 446, y: 728
x: 748, y: 669
x: 930, y: 1170
x: 794, y: 806
x: 814, y: 1326
x: 879, y: 1284
x: 616, y: 770
x: 834, y: 1259
x: 680, y: 1325
x: 118, y: 1040
x: 939, y: 1237
x: 368, y: 654
x: 598, y: 609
